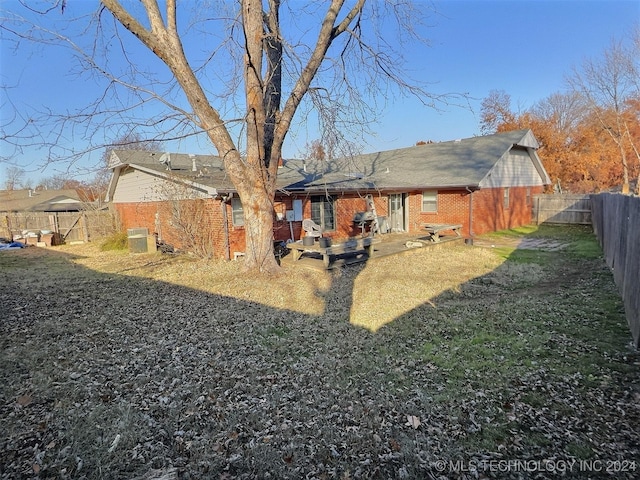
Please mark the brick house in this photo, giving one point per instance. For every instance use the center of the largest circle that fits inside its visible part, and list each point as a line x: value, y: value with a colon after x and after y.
x: 484, y: 183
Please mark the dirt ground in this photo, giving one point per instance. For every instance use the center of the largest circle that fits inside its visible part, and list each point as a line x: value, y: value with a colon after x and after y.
x: 455, y: 363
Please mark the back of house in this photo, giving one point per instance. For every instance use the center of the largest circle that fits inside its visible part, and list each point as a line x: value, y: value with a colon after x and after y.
x: 482, y: 183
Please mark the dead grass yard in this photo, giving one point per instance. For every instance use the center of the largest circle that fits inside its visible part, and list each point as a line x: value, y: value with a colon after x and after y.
x: 429, y: 364
x: 380, y: 291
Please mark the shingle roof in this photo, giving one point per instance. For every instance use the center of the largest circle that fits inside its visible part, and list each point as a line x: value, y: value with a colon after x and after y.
x: 209, y: 170
x: 458, y: 163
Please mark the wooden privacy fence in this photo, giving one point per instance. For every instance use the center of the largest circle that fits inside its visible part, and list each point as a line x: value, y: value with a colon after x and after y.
x: 71, y: 226
x: 616, y: 223
x: 562, y: 208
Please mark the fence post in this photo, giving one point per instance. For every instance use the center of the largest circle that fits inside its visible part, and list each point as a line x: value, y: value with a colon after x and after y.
x: 8, y: 221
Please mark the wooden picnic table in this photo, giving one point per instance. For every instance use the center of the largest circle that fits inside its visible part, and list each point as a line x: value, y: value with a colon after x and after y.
x: 435, y: 229
x: 353, y: 245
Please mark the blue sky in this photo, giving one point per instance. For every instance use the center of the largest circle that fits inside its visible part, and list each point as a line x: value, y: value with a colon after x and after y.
x: 524, y: 47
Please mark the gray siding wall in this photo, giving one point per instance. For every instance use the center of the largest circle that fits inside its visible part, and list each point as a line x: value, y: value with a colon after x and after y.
x: 135, y: 186
x: 515, y: 169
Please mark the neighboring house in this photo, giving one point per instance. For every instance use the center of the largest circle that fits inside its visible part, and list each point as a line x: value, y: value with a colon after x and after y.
x: 54, y: 210
x: 484, y: 183
x: 40, y: 201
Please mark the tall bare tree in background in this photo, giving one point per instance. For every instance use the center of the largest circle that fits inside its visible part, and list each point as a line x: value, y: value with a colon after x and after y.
x: 495, y: 112
x: 590, y: 134
x: 337, y: 58
x: 609, y: 85
x: 14, y: 178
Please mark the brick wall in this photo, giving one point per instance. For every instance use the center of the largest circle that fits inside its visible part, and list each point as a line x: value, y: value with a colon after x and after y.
x: 452, y: 207
x: 210, y: 224
x: 194, y: 225
x: 489, y: 215
x: 346, y: 206
x: 281, y: 228
x: 487, y: 207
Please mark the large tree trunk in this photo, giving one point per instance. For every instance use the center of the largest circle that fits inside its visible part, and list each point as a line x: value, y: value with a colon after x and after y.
x: 257, y: 195
x: 258, y: 224
x: 256, y: 187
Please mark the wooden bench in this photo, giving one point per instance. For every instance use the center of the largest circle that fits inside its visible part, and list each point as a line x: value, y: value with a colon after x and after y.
x: 435, y: 229
x: 353, y: 245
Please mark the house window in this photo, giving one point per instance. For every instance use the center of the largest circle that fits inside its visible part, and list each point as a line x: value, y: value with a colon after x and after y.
x: 505, y: 198
x: 323, y: 212
x: 528, y: 199
x: 237, y: 215
x: 430, y: 201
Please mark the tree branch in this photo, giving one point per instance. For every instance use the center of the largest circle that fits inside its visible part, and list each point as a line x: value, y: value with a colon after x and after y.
x: 169, y: 50
x: 326, y: 36
x: 155, y: 17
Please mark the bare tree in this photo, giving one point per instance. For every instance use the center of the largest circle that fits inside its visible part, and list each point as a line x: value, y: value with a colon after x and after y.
x: 185, y: 210
x: 57, y: 182
x: 608, y: 84
x: 496, y: 112
x: 564, y: 111
x: 315, y: 151
x: 132, y: 141
x: 338, y: 66
x: 14, y: 178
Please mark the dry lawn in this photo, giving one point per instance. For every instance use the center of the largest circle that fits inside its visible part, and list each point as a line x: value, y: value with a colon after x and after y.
x: 155, y: 366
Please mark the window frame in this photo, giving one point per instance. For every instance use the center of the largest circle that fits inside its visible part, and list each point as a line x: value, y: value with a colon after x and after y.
x: 236, y: 209
x: 324, y: 201
x: 506, y: 198
x: 434, y: 193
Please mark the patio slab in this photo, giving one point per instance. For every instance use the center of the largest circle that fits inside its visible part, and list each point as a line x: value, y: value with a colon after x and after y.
x: 390, y: 244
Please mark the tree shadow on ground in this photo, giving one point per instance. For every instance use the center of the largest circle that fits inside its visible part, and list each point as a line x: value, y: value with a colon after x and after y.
x: 104, y: 372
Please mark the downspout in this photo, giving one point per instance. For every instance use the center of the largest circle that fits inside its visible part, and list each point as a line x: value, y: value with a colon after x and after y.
x: 470, y: 212
x: 225, y: 225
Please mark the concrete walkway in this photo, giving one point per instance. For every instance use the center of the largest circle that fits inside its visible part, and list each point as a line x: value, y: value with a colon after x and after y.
x: 545, y: 244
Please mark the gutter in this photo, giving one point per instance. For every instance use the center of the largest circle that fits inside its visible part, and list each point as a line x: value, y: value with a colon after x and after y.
x: 386, y: 188
x: 470, y: 211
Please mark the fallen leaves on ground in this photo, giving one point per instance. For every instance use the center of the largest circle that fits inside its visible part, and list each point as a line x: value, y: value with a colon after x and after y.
x: 109, y: 370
